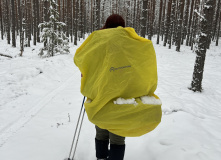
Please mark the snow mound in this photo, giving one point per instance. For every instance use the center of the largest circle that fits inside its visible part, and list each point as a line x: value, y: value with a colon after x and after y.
x: 125, y: 101
x: 150, y: 100
x: 144, y: 99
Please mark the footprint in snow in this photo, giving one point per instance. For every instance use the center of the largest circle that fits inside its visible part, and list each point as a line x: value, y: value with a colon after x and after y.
x: 165, y: 142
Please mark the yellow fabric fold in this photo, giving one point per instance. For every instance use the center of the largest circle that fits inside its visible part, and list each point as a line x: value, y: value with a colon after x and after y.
x: 119, y: 63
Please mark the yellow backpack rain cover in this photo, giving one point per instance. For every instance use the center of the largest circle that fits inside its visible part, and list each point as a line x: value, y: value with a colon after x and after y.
x: 118, y: 63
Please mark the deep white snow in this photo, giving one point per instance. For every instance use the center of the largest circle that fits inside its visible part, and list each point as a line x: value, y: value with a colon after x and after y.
x: 38, y: 95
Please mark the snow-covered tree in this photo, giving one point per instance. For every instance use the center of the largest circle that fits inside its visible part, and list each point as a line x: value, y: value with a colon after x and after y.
x: 52, y: 33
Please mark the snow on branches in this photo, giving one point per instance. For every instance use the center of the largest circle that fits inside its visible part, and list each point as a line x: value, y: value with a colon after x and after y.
x: 52, y: 34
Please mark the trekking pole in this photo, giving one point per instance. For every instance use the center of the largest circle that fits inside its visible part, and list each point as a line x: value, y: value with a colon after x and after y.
x: 77, y: 129
x: 78, y: 135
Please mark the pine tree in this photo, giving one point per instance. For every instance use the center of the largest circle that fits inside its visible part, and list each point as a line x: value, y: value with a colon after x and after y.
x: 75, y: 21
x: 167, y: 24
x: 216, y: 19
x: 172, y: 22
x: 196, y: 84
x: 53, y: 34
x: 218, y: 29
x: 1, y: 20
x: 179, y: 26
x: 7, y: 21
x: 144, y: 19
x: 35, y: 22
x: 189, y: 23
x: 159, y: 22
x: 97, y: 14
x: 185, y: 20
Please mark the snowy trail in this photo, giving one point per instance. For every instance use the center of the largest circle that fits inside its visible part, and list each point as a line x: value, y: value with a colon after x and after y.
x: 20, y: 122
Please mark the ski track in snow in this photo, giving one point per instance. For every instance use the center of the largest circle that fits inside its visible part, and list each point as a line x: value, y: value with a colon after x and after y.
x: 19, y: 123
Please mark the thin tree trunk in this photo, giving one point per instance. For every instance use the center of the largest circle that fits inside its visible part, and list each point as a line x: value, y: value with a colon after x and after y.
x: 35, y: 22
x: 218, y: 30
x: 7, y: 22
x: 97, y: 14
x: 159, y: 22
x: 163, y: 20
x: 1, y: 21
x: 134, y: 21
x: 185, y: 21
x: 167, y: 25
x: 171, y: 30
x: 216, y: 19
x: 75, y: 22
x: 144, y: 19
x: 179, y: 27
x: 46, y: 16
x: 189, y: 23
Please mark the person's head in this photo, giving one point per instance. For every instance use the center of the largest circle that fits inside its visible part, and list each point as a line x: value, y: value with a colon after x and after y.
x: 114, y: 21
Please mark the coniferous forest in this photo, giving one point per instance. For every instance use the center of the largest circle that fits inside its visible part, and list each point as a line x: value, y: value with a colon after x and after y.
x: 56, y: 23
x: 63, y: 71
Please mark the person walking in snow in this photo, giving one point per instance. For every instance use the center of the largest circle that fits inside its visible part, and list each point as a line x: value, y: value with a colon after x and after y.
x: 117, y: 143
x: 115, y: 62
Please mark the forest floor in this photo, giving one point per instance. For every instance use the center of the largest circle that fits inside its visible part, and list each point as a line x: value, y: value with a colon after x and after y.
x: 38, y: 95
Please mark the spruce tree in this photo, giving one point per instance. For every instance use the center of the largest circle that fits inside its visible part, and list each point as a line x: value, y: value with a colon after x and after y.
x: 52, y: 34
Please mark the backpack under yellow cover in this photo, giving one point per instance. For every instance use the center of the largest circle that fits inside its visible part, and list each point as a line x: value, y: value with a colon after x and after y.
x: 118, y: 63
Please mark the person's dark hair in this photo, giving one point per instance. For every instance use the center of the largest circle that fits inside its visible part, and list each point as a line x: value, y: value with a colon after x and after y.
x: 114, y: 21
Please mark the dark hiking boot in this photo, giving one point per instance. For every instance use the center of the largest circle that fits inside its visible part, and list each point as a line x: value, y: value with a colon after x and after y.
x: 116, y: 152
x: 101, y: 149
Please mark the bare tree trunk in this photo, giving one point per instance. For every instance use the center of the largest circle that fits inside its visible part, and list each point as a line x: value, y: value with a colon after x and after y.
x: 210, y: 21
x: 159, y: 22
x: 75, y: 22
x: 186, y: 16
x: 167, y: 24
x: 46, y: 15
x: 216, y: 19
x: 144, y: 19
x: 21, y: 25
x: 97, y: 15
x: 189, y: 23
x: 71, y: 20
x: 151, y: 19
x: 196, y: 84
x: 128, y: 19
x: 134, y: 21
x: 7, y: 21
x: 179, y: 27
x: 172, y: 22
x: 194, y: 25
x: 163, y: 20
x: 35, y: 22
x: 218, y: 30
x: 1, y: 21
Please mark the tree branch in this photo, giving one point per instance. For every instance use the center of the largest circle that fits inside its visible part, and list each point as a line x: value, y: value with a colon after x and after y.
x: 5, y: 55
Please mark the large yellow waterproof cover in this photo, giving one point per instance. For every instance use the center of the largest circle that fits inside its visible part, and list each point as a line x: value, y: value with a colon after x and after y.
x: 118, y: 63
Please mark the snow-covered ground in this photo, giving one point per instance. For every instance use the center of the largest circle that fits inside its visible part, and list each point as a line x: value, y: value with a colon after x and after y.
x: 38, y: 95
